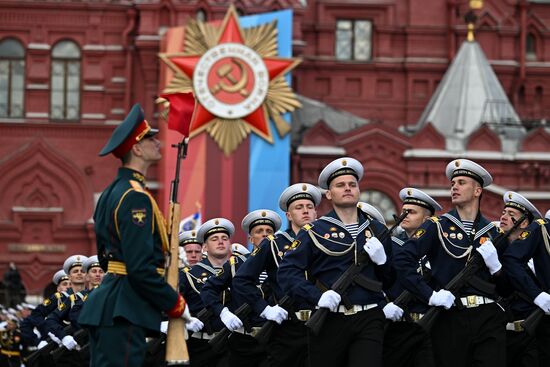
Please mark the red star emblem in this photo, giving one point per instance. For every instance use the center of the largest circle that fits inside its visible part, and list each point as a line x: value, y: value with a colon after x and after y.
x: 230, y: 80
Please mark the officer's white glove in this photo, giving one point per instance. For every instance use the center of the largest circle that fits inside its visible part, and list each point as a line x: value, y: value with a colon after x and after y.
x: 442, y: 298
x: 330, y: 299
x: 54, y: 338
x: 164, y: 327
x: 194, y: 324
x: 229, y: 319
x: 376, y: 252
x: 489, y: 253
x: 42, y: 344
x: 543, y: 301
x: 69, y: 342
x: 393, y: 312
x: 274, y: 313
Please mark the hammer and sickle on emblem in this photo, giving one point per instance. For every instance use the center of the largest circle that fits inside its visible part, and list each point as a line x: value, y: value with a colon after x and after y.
x: 224, y: 72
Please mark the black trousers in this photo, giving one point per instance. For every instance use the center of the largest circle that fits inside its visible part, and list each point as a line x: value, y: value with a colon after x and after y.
x: 470, y: 337
x: 406, y: 344
x: 348, y: 340
x: 7, y: 361
x: 202, y: 355
x: 543, y: 341
x: 288, y: 345
x: 245, y: 351
x: 521, y: 349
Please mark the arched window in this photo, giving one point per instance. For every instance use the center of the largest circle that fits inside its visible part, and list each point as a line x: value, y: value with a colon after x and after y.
x: 201, y: 15
x: 531, y: 47
x: 381, y: 202
x: 65, y: 81
x: 12, y: 78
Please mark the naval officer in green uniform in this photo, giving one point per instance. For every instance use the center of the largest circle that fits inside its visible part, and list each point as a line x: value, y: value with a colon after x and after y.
x: 131, y: 242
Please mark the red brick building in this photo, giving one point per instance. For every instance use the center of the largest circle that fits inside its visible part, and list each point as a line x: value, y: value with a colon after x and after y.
x: 70, y: 70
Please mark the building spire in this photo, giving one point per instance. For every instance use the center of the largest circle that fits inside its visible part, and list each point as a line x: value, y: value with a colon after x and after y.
x: 471, y: 18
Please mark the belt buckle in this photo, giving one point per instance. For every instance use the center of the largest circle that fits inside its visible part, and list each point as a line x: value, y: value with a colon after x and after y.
x: 415, y: 316
x: 304, y: 315
x: 471, y: 301
x: 350, y: 311
x: 517, y: 326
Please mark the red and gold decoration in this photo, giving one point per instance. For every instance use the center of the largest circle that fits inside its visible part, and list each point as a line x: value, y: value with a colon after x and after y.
x: 236, y: 78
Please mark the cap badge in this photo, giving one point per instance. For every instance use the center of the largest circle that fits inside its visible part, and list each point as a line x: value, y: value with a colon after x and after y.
x: 193, y: 233
x: 304, y: 188
x: 216, y: 222
x: 264, y: 214
x: 409, y: 192
x: 510, y: 196
x: 457, y: 163
x: 344, y: 162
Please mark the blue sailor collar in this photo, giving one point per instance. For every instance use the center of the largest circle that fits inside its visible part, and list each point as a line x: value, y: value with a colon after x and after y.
x: 483, y: 225
x: 400, y: 239
x: 333, y: 218
x: 207, y: 265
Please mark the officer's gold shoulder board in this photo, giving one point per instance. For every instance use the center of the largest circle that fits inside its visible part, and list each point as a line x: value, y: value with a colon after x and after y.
x: 307, y: 227
x: 523, y: 235
x: 434, y: 219
x: 541, y: 222
x: 295, y: 244
x: 186, y: 269
x: 271, y: 237
x: 419, y: 233
x: 256, y: 250
x: 136, y: 186
x: 61, y: 306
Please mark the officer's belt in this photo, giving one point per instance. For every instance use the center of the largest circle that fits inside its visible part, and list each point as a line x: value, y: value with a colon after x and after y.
x: 10, y: 353
x: 119, y: 268
x: 515, y: 326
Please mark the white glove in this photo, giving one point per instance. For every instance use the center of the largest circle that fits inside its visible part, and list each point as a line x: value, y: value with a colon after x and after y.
x: 194, y: 325
x: 543, y: 301
x: 229, y: 319
x: 330, y: 299
x: 376, y: 252
x: 69, y: 342
x: 393, y: 312
x: 54, y: 338
x: 186, y: 315
x: 42, y: 344
x: 274, y: 313
x: 442, y: 298
x: 37, y: 333
x: 164, y: 327
x: 489, y: 253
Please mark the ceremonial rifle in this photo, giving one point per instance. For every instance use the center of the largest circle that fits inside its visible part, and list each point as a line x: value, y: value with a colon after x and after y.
x: 176, y: 347
x: 352, y: 276
x: 81, y: 337
x: 45, y: 350
x: 264, y: 334
x: 532, y: 321
x: 466, y: 275
x: 218, y: 341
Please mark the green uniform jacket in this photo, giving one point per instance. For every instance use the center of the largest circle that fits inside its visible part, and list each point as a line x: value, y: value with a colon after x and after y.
x: 129, y: 229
